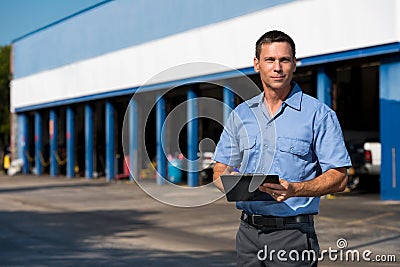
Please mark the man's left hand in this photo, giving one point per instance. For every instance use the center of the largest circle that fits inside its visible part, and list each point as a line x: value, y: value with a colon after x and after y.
x: 279, y: 192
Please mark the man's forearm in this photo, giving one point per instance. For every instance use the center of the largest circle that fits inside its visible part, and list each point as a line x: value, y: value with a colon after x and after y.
x: 331, y: 181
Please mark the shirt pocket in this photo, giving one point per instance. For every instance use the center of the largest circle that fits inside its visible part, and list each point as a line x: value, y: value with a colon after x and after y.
x: 249, y: 153
x: 293, y: 157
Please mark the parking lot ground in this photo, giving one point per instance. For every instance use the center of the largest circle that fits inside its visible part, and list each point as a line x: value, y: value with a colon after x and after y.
x: 62, y: 222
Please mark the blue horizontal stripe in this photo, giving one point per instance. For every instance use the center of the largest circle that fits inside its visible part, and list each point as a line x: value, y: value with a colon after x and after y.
x: 145, y: 88
x: 350, y: 54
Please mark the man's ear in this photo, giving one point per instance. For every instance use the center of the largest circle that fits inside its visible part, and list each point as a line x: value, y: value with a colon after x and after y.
x: 256, y: 65
x: 295, y: 64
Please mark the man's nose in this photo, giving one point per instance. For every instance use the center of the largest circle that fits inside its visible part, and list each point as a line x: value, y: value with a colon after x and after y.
x: 277, y: 65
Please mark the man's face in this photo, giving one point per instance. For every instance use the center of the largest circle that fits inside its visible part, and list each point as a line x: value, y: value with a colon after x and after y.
x: 276, y: 65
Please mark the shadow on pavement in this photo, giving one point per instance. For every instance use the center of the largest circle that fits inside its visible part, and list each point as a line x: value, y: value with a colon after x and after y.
x: 94, y: 238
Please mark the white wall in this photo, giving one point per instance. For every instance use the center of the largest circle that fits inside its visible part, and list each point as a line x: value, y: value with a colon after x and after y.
x: 317, y: 26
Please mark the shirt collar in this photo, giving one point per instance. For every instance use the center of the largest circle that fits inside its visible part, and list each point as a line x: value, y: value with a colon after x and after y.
x: 293, y: 100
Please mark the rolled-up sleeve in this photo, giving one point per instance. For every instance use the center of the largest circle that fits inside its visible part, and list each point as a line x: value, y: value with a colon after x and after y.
x: 329, y: 144
x: 227, y: 150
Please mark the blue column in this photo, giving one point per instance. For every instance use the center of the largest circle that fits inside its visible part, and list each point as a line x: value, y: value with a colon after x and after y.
x: 133, y: 140
x: 324, y: 87
x: 160, y: 135
x: 53, y: 134
x: 38, y: 142
x: 70, y: 117
x: 22, y: 144
x: 192, y: 138
x: 229, y: 102
x: 110, y: 157
x: 89, y: 141
x: 389, y: 81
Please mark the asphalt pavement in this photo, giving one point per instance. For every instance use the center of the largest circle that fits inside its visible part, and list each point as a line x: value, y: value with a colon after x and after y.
x: 61, y: 222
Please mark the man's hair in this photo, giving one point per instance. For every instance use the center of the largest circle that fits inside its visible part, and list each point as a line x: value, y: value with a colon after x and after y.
x: 272, y: 37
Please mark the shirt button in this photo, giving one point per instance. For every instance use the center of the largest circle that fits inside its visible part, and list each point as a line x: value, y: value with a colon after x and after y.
x: 291, y: 149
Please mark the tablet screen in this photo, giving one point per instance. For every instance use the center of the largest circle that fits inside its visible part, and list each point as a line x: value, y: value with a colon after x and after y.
x: 244, y: 187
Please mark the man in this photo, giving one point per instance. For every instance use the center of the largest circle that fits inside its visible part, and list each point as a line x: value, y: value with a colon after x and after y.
x: 285, y: 132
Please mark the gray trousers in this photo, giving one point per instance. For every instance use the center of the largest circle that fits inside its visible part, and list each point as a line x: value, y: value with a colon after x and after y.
x: 294, y: 245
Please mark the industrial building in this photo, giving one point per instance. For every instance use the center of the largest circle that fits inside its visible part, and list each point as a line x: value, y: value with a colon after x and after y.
x: 93, y: 90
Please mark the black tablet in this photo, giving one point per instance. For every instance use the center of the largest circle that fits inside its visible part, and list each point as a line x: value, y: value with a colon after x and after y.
x: 244, y: 187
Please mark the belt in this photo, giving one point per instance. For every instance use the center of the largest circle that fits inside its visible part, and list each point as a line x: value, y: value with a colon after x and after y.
x: 272, y: 221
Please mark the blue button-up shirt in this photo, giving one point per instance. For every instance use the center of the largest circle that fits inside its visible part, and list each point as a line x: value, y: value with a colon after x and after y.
x: 302, y: 140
